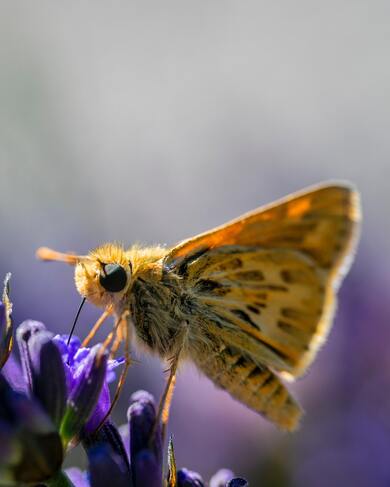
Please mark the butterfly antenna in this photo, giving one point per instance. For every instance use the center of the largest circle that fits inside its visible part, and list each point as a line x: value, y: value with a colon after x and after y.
x: 75, y: 320
x: 44, y: 253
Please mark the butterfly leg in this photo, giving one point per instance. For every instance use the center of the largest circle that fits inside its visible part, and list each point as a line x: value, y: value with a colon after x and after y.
x: 121, y: 324
x: 166, y: 398
x: 102, y: 318
x: 121, y: 334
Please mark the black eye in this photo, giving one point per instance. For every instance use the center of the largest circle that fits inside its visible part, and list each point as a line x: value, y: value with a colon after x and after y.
x: 113, y: 278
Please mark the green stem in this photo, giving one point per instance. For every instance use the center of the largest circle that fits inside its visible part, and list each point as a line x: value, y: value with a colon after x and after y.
x: 60, y: 480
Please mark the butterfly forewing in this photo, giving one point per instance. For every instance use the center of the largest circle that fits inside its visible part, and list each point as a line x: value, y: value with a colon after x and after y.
x: 321, y: 222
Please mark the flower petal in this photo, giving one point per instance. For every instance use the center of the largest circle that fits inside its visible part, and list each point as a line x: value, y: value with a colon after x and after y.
x: 12, y: 371
x: 102, y: 407
x: 83, y: 397
x: 68, y: 352
x: 23, y: 334
x: 48, y: 375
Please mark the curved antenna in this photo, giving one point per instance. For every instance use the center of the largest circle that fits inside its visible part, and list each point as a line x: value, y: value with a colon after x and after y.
x: 75, y: 320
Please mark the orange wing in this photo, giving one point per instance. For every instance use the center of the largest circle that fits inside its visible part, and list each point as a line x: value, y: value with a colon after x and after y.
x: 321, y: 221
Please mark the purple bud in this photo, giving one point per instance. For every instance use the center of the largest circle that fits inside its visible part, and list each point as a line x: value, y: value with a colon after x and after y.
x: 46, y: 371
x: 221, y: 478
x: 5, y: 323
x: 187, y: 478
x: 237, y: 482
x: 108, y: 435
x: 146, y: 470
x: 145, y: 447
x: 87, y: 385
x: 23, y: 335
x: 106, y: 468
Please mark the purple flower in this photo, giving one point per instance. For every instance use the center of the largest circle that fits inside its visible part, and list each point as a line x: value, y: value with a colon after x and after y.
x: 79, y: 369
x: 71, y: 393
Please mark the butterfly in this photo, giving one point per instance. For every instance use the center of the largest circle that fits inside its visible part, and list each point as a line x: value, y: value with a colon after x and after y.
x: 249, y: 302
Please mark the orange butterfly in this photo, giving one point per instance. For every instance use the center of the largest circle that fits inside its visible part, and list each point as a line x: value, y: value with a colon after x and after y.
x: 249, y: 302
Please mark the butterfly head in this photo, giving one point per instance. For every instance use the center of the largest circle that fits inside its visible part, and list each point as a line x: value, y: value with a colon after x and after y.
x: 102, y: 277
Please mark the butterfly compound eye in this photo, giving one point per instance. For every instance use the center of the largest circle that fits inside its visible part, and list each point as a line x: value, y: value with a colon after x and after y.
x: 113, y: 278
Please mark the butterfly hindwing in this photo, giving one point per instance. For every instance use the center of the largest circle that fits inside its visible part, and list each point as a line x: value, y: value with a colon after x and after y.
x: 252, y: 384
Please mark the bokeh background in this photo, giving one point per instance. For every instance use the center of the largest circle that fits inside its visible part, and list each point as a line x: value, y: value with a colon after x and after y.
x: 151, y: 121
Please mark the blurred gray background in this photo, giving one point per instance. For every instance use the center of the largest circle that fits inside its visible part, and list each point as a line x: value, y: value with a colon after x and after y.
x: 152, y: 121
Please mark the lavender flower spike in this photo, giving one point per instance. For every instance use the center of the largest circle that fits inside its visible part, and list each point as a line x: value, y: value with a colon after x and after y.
x: 145, y: 451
